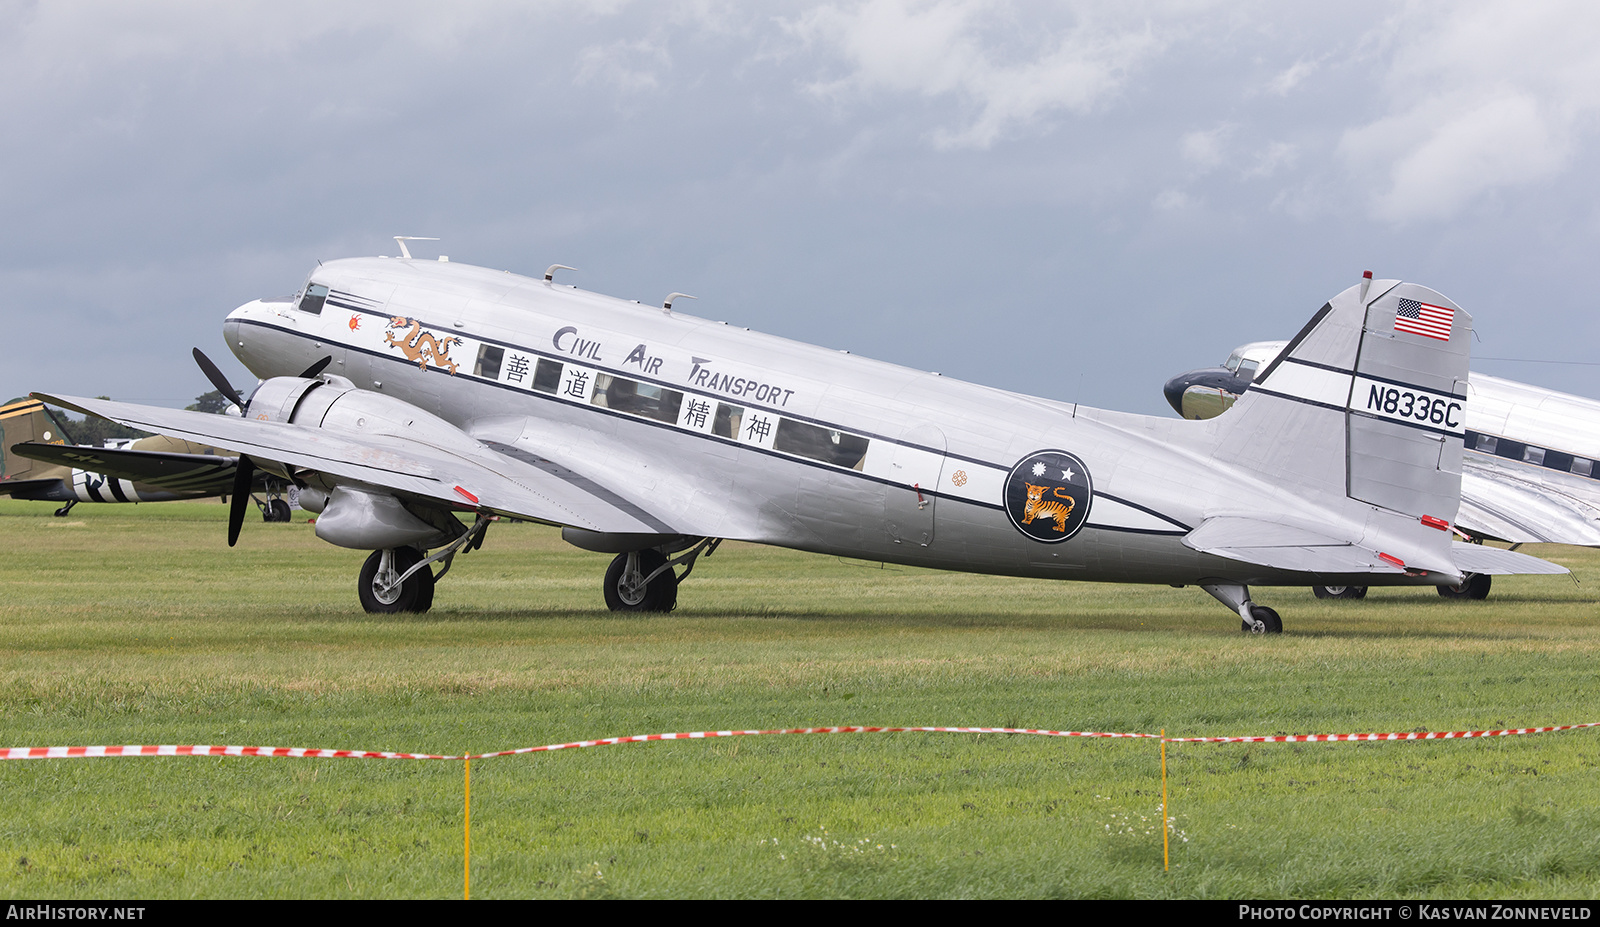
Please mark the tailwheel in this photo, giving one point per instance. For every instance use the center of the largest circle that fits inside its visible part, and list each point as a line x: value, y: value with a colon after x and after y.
x: 1339, y: 592
x: 1474, y: 586
x: 630, y: 587
x: 1270, y: 622
x: 382, y: 591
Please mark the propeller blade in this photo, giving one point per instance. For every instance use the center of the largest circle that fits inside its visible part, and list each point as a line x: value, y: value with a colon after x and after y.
x: 318, y: 367
x: 217, y: 379
x: 243, y: 475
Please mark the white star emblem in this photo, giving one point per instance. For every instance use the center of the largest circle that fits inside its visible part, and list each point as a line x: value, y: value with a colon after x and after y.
x: 1066, y: 474
x: 1038, y: 469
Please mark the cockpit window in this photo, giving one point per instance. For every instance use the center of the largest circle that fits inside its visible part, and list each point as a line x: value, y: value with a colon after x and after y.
x: 311, y: 300
x: 1247, y: 369
x: 1233, y: 362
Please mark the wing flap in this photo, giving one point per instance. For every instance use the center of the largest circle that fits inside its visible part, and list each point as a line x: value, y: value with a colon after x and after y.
x: 469, y: 476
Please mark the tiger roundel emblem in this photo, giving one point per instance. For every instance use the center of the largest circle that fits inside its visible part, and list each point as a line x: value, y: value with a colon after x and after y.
x: 1048, y: 494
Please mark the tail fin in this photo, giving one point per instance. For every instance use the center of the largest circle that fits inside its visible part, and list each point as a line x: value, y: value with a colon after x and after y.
x: 21, y: 422
x: 1367, y: 402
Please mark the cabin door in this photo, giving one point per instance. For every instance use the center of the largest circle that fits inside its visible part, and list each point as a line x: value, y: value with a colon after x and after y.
x: 915, y: 466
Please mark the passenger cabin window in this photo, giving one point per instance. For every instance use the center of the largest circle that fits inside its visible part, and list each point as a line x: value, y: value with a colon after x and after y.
x: 1487, y: 443
x: 312, y: 299
x: 637, y: 398
x: 489, y: 358
x: 726, y: 422
x: 1534, y: 455
x: 547, y: 376
x: 1582, y: 466
x: 833, y: 447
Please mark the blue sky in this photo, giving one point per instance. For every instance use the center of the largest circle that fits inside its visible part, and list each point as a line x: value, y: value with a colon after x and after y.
x: 1069, y: 200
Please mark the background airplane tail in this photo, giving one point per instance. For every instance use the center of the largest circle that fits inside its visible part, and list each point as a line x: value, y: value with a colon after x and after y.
x: 22, y: 422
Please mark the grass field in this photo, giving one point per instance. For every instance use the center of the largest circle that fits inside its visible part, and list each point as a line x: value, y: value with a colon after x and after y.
x: 138, y: 625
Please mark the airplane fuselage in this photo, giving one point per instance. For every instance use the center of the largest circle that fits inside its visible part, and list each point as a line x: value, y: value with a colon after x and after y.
x: 707, y: 429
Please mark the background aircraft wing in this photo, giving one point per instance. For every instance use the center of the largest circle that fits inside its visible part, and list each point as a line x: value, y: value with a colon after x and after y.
x: 1508, y: 502
x: 469, y: 476
x: 203, y: 473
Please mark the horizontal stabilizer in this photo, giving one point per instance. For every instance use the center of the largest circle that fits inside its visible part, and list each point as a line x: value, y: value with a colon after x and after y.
x: 1480, y: 558
x: 1284, y: 547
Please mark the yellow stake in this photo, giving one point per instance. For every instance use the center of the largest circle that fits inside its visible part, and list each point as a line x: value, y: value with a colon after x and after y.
x: 466, y: 855
x: 1166, y: 859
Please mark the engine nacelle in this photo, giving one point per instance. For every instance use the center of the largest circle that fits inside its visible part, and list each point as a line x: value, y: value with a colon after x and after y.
x: 365, y: 520
x: 360, y: 518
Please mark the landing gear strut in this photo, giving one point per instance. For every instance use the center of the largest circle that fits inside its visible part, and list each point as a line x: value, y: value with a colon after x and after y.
x: 382, y: 588
x: 644, y: 580
x: 401, y: 579
x: 1254, y: 619
x: 274, y: 509
x: 1473, y: 586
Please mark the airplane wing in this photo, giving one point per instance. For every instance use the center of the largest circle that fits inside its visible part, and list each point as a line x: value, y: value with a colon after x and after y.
x: 180, y: 472
x: 1294, y: 547
x: 1501, y: 501
x: 9, y: 487
x: 471, y: 475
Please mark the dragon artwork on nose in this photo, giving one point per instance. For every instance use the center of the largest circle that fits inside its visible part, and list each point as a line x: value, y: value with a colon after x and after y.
x: 421, y: 346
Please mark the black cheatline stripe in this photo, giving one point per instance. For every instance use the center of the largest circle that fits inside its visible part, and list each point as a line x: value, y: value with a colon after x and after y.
x: 1147, y: 510
x: 1157, y: 532
x: 584, y: 483
x: 1300, y: 399
x: 116, y: 488
x: 613, y: 371
x: 1294, y: 342
x: 1328, y: 367
x: 1593, y: 474
x: 1411, y: 386
x: 672, y: 426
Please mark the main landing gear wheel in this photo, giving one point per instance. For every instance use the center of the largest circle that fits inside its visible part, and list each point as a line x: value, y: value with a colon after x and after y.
x: 277, y: 510
x: 627, y: 591
x: 379, y: 591
x: 1474, y: 586
x: 1339, y: 592
x: 1265, y: 615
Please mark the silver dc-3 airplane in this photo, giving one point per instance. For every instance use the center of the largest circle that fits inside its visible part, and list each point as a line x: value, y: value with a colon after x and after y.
x: 397, y: 393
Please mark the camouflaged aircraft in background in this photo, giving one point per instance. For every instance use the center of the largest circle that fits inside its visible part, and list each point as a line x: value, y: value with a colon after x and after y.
x: 397, y: 393
x: 1529, y: 473
x: 43, y: 466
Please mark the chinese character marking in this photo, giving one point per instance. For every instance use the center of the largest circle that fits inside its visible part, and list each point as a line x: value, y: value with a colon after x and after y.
x: 759, y: 429
x: 576, y: 385
x: 696, y: 413
x: 517, y: 368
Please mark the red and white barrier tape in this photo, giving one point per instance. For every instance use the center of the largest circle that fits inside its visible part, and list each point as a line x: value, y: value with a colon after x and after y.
x: 1409, y: 735
x: 56, y: 753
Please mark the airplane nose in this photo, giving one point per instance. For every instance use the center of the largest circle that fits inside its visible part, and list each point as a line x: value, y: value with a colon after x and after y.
x: 1174, y: 390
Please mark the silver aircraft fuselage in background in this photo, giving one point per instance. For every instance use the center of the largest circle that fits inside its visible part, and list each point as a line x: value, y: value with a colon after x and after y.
x: 436, y: 386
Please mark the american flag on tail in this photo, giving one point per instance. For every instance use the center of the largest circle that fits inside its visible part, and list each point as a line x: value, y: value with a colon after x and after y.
x: 1419, y: 318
